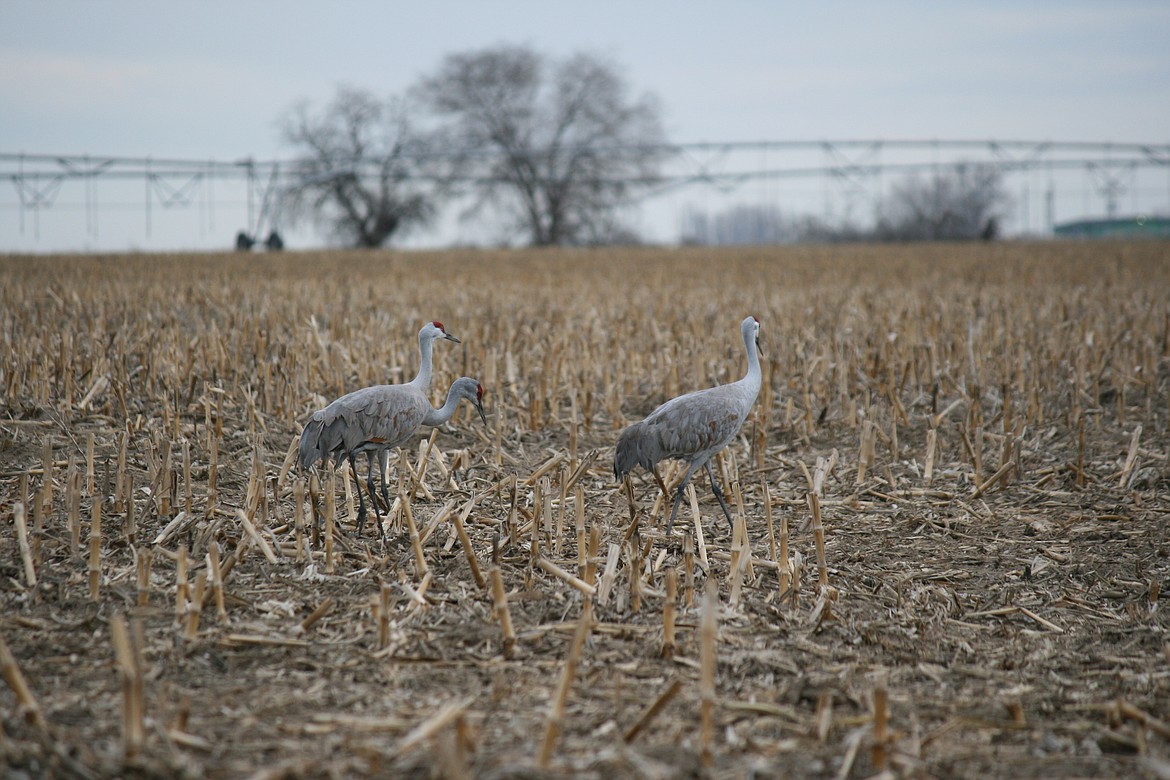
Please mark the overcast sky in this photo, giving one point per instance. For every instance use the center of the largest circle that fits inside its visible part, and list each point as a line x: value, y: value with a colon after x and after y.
x: 209, y: 79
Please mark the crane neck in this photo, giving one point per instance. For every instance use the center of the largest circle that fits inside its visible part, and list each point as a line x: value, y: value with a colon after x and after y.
x: 437, y: 417
x: 422, y: 379
x: 754, y: 374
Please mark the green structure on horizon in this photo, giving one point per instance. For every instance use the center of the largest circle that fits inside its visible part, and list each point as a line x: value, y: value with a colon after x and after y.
x: 1117, y: 227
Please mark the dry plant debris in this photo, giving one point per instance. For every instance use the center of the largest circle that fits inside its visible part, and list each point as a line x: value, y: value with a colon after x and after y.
x: 952, y: 505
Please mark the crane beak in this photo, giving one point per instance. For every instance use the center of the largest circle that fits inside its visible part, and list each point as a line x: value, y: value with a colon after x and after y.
x: 758, y: 347
x: 449, y: 337
x: 479, y: 408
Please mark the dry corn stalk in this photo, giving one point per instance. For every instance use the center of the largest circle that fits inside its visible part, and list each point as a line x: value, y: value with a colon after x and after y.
x: 256, y: 537
x: 582, y: 539
x: 931, y: 446
x: 881, y: 719
x: 465, y: 541
x: 608, y: 576
x: 559, y: 534
x: 814, y: 504
x: 47, y: 474
x: 1130, y: 458
x: 449, y: 713
x: 73, y: 509
x: 824, y: 716
x: 383, y: 616
x: 740, y: 561
x: 636, y: 566
x: 566, y: 577
x: 700, y: 541
x: 865, y: 454
x: 568, y: 672
x: 144, y: 557
x: 330, y: 519
x: 688, y: 571
x: 323, y: 609
x: 420, y: 561
x: 95, y: 549
x: 181, y: 586
x: 24, y: 697
x: 708, y: 628
x: 195, y: 607
x: 652, y: 711
x: 503, y: 614
x: 26, y: 555
x: 768, y: 517
x: 668, y: 608
x: 783, y: 567
x: 591, y: 560
x: 129, y: 658
x: 797, y: 570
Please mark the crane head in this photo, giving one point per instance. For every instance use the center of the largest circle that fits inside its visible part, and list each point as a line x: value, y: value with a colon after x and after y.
x: 469, y: 388
x: 435, y: 330
x: 473, y: 391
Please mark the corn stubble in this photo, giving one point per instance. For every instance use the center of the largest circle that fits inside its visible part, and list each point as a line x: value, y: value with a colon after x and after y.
x: 957, y: 435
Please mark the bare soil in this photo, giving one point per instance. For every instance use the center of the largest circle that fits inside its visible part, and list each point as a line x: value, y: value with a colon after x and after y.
x: 1007, y: 603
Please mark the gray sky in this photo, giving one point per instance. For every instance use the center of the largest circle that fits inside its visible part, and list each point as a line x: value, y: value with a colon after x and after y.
x: 209, y: 79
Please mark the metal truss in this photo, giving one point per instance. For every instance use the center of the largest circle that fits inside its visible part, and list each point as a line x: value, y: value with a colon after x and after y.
x: 851, y: 170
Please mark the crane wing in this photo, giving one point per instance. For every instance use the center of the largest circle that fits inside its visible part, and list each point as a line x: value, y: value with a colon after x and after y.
x: 382, y: 415
x: 698, y: 422
x: 392, y: 417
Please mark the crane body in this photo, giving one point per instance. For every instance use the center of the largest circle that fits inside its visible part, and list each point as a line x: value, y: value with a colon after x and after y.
x: 376, y: 419
x: 693, y: 427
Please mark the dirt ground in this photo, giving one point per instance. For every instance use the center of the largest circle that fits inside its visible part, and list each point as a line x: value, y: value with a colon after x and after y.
x: 989, y: 608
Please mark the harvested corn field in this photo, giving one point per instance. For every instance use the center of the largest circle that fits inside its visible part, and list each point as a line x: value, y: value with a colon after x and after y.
x: 951, y: 500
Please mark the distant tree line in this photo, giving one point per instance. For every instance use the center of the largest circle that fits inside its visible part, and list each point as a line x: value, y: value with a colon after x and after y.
x: 962, y: 203
x: 743, y: 225
x: 554, y: 149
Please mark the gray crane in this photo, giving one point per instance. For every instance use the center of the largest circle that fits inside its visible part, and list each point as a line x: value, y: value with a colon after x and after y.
x: 353, y: 423
x: 428, y: 334
x: 693, y: 427
x: 377, y: 419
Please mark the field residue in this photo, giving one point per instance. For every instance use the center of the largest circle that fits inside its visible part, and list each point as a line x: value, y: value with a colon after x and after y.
x: 963, y: 449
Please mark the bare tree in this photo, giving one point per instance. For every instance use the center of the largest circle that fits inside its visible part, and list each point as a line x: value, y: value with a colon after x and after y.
x: 359, y: 170
x: 559, y: 146
x: 966, y: 202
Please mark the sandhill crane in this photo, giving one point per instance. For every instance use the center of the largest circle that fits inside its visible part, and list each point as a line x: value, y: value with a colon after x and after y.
x: 311, y: 446
x: 428, y: 334
x: 693, y: 427
x: 377, y: 419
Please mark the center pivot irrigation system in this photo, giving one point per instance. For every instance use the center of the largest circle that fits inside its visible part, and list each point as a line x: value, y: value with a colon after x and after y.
x: 849, y: 172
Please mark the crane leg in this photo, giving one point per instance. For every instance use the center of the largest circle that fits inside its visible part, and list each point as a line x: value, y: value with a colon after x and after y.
x: 361, y: 518
x: 719, y: 495
x: 370, y: 485
x: 682, y: 486
x: 384, y: 460
x: 373, y: 495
